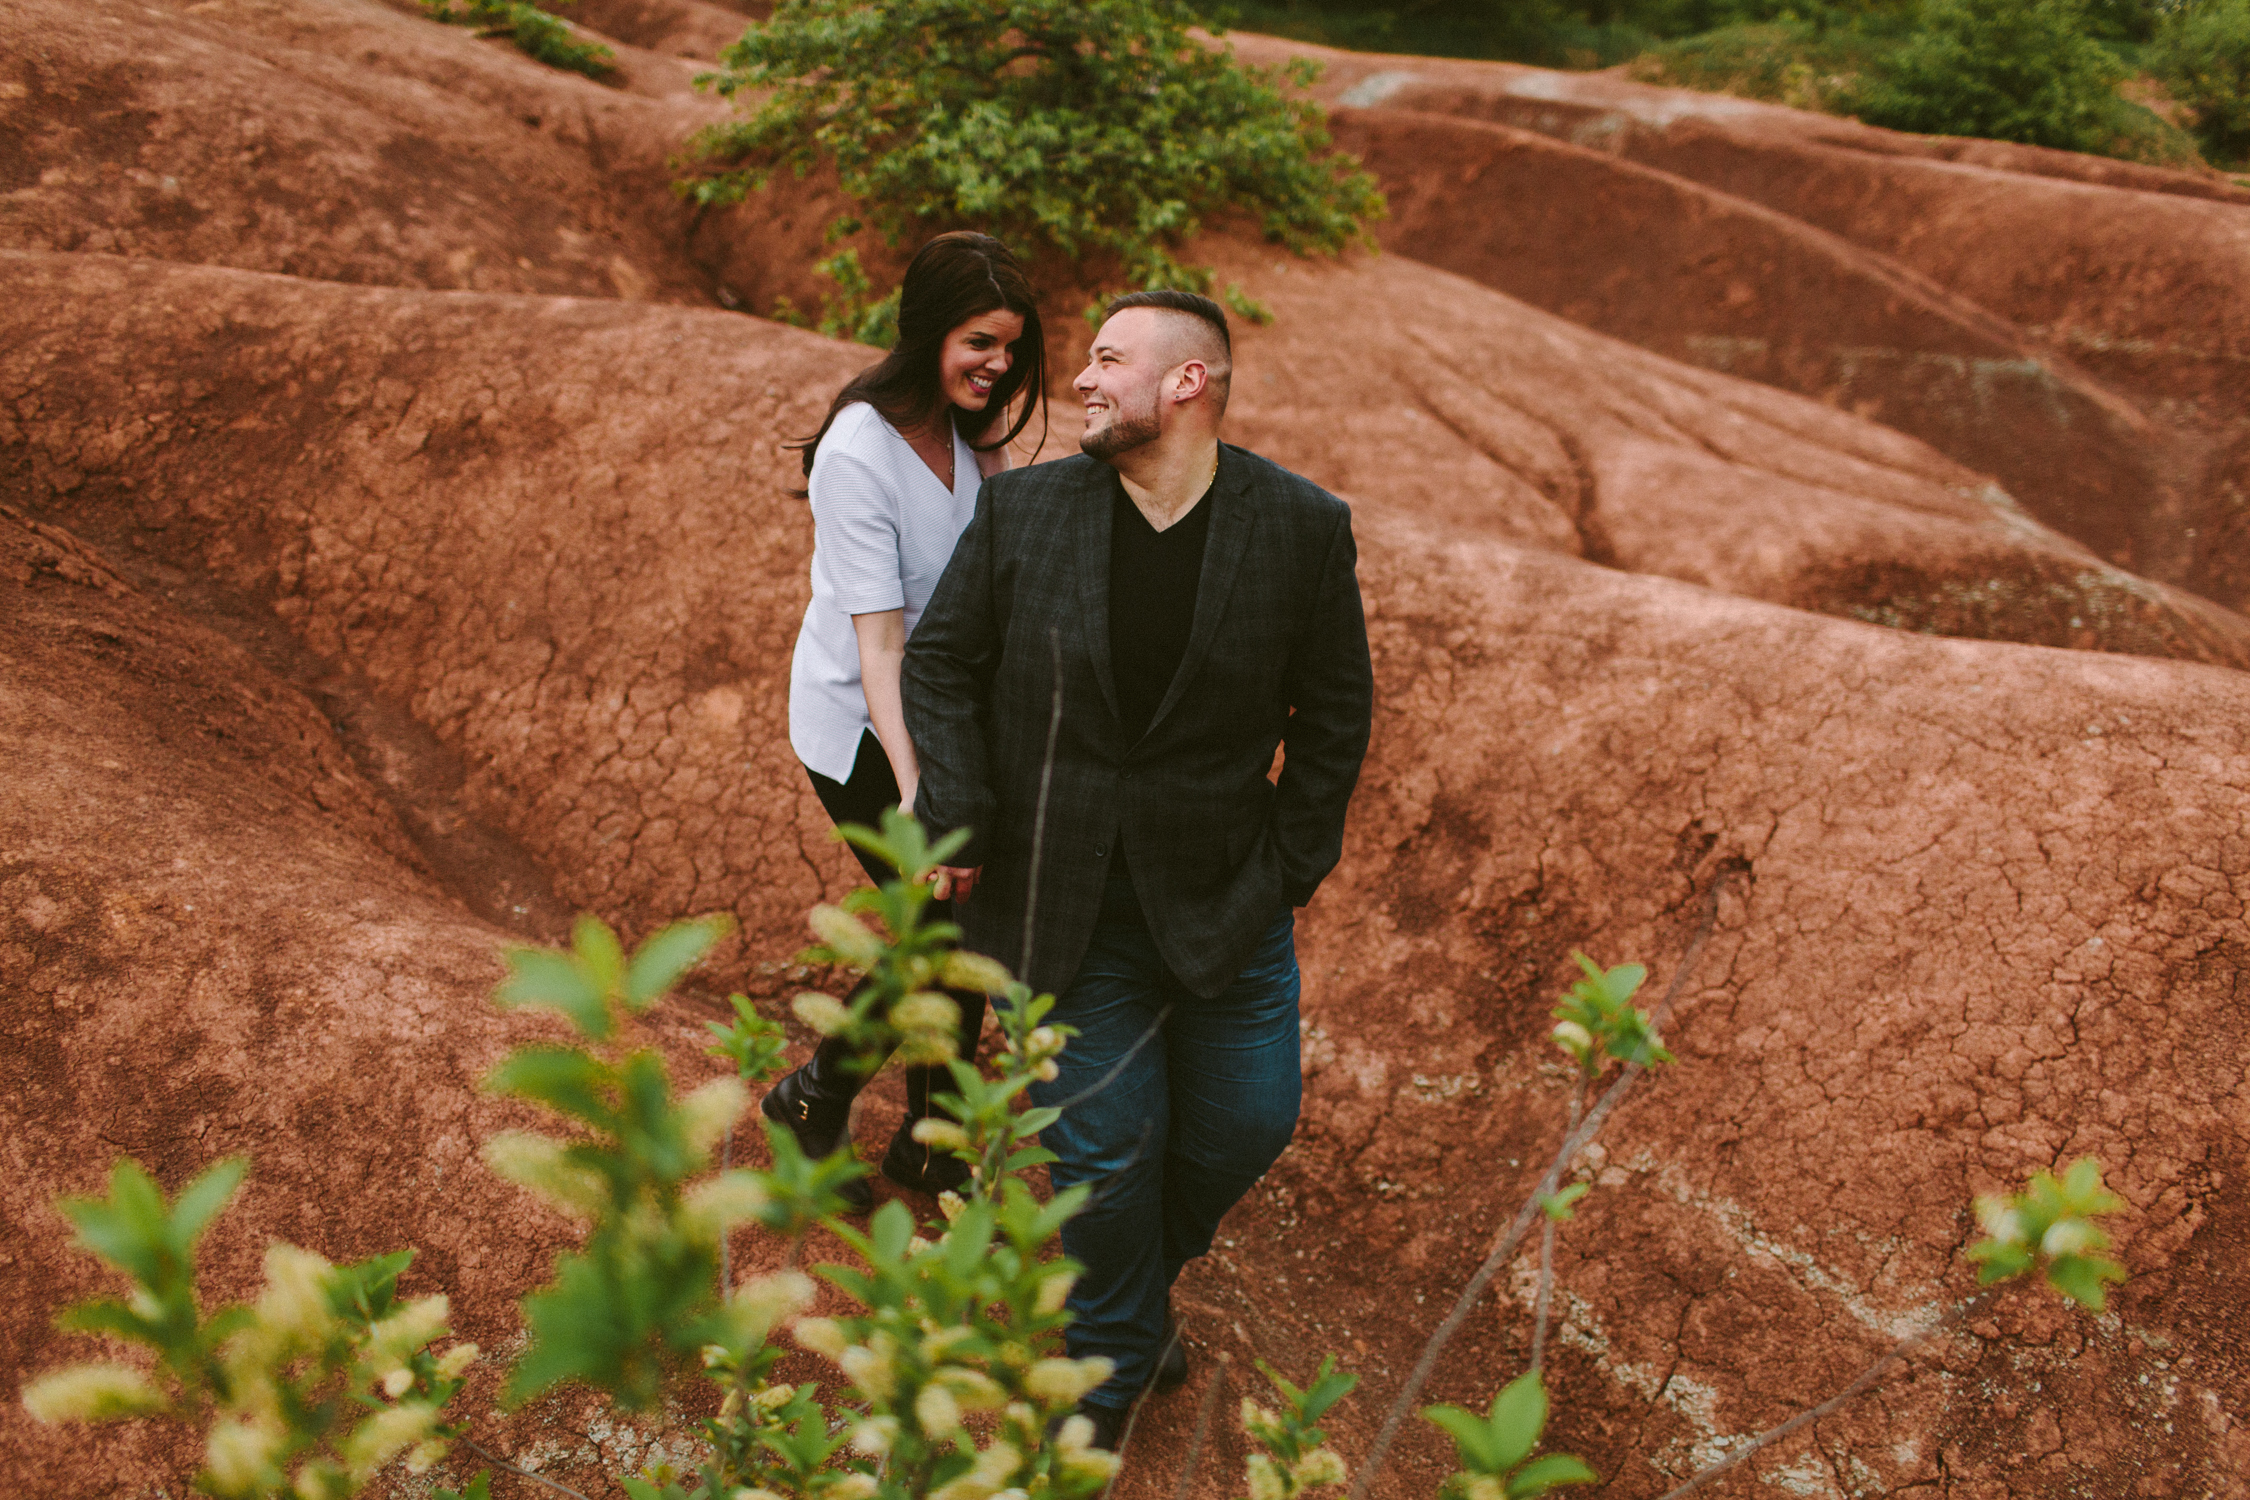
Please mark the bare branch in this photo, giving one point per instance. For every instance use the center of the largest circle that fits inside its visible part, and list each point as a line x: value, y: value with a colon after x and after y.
x: 1203, y: 1412
x: 1504, y: 1248
x: 1547, y: 1244
x: 1869, y: 1377
x: 491, y: 1457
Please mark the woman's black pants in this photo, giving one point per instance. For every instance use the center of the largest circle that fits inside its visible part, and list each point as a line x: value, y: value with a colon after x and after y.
x: 837, y: 1071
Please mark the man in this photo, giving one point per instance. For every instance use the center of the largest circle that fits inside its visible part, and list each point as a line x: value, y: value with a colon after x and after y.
x: 1201, y: 608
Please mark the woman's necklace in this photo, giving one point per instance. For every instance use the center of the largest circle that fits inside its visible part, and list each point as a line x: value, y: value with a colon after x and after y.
x: 943, y: 472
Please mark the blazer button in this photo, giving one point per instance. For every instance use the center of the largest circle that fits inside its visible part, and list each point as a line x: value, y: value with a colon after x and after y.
x: 1101, y: 851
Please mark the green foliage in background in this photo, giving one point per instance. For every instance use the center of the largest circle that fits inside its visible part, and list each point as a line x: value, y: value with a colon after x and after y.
x: 1551, y: 33
x: 535, y: 33
x: 2009, y: 70
x: 1095, y: 131
x: 2038, y: 71
x: 2202, y: 52
x: 1792, y: 61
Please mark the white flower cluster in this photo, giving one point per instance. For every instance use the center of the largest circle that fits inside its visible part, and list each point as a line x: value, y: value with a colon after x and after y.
x: 2000, y: 1218
x: 1076, y: 1454
x: 1061, y: 1382
x: 1038, y: 1052
x: 542, y: 1164
x: 293, y: 1320
x: 987, y: 1477
x: 973, y: 971
x: 823, y: 1013
x: 706, y: 1113
x: 762, y: 1303
x: 1268, y: 1479
x: 92, y: 1393
x: 852, y: 941
x: 717, y: 1204
x: 928, y: 1025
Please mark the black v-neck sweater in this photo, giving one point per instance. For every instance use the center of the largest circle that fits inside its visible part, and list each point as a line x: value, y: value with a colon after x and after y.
x: 1153, y: 576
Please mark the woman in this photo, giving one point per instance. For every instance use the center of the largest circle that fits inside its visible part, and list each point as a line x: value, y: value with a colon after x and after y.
x: 893, y: 476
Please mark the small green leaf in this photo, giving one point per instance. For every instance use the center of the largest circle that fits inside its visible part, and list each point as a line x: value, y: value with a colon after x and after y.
x: 201, y: 1200
x: 659, y: 962
x: 128, y: 1228
x: 105, y: 1315
x: 1545, y: 1473
x: 599, y: 953
x: 890, y: 1229
x: 1472, y: 1438
x: 1519, y: 1414
x: 2080, y: 1278
x: 1556, y: 1205
x: 561, y: 1078
x: 552, y: 981
x: 1329, y: 1386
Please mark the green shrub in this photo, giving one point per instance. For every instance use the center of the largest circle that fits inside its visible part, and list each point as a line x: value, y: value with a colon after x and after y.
x: 535, y: 33
x: 1790, y: 62
x: 2008, y: 70
x: 2202, y: 52
x: 1093, y: 130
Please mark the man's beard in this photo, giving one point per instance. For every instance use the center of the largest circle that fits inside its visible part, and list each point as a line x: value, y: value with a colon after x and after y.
x: 1123, y: 434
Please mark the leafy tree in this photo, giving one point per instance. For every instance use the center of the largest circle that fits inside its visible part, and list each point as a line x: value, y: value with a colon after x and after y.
x: 1096, y: 131
x: 2010, y: 70
x: 2202, y: 52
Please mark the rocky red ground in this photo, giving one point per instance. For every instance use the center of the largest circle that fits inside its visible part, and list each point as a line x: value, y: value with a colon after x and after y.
x: 397, y: 560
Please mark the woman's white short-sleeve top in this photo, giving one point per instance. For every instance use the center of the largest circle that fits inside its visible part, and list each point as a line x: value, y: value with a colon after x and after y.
x: 883, y: 531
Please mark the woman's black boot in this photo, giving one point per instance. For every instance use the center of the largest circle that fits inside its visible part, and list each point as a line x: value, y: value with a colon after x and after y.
x: 815, y: 1102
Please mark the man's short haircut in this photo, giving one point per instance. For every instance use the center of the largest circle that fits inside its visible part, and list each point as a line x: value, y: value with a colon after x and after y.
x: 1192, y: 304
x: 1203, y: 310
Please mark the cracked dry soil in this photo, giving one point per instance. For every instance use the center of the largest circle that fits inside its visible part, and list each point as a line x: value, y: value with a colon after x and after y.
x: 395, y: 561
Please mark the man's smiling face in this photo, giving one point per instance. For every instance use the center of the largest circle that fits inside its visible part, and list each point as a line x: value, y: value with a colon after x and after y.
x: 1121, y: 383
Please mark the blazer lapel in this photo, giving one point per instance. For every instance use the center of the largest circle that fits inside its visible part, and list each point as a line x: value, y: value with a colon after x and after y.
x: 1089, y: 532
x: 1233, y: 518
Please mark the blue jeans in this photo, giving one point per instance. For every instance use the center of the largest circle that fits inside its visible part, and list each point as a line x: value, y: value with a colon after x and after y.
x: 1191, y: 1121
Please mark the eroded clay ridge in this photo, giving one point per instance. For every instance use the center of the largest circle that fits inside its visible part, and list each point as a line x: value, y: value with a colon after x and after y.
x: 1989, y: 893
x: 1985, y: 905
x: 559, y: 530
x: 2105, y: 384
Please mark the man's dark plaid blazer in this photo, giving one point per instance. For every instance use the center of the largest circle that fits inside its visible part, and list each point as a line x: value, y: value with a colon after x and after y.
x: 1277, y: 656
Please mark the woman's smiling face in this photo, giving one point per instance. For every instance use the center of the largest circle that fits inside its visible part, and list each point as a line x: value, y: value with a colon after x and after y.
x: 975, y: 355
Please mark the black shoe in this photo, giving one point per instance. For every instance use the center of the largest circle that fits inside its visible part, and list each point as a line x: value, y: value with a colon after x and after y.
x: 1171, y: 1370
x: 1109, y: 1425
x: 820, y: 1126
x: 924, y: 1168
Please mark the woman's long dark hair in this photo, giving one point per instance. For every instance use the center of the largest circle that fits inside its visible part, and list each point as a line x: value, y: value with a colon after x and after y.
x: 954, y: 278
